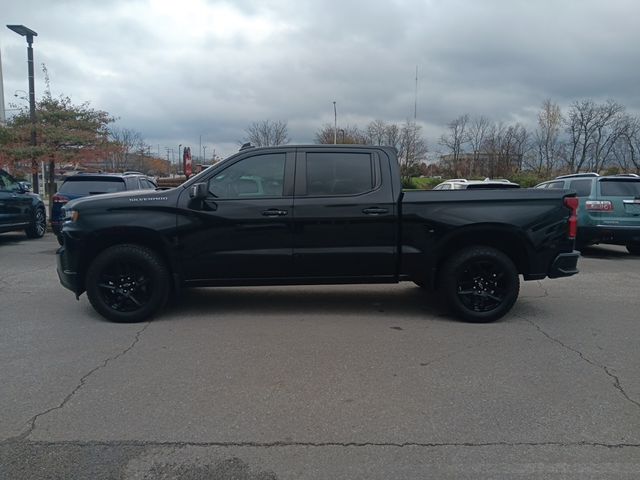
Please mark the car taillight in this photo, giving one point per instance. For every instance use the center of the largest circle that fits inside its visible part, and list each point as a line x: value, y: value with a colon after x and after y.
x: 57, y: 198
x: 599, y: 205
x: 572, y: 203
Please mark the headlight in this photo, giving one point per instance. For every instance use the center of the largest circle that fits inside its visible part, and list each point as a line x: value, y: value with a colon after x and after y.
x: 71, y: 215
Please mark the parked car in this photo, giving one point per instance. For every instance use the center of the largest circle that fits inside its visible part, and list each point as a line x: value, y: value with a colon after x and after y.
x: 20, y: 209
x: 609, y: 210
x: 464, y: 184
x: 314, y: 214
x: 85, y: 184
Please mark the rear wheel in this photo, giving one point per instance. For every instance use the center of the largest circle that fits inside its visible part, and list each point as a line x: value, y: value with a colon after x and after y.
x: 480, y: 284
x: 127, y: 283
x: 38, y: 226
x: 633, y: 248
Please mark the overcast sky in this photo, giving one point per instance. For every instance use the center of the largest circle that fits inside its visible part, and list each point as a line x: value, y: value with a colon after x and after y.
x: 178, y: 70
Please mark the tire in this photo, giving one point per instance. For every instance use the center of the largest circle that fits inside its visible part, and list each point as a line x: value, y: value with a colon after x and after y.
x: 60, y: 239
x: 127, y: 283
x: 633, y: 248
x: 480, y: 284
x: 38, y: 226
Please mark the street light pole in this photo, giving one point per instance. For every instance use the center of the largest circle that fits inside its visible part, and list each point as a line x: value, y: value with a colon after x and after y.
x: 178, y: 162
x: 335, y: 124
x: 29, y: 34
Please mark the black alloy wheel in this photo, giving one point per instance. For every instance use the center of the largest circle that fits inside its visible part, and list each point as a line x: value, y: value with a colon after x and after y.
x: 127, y: 283
x: 481, y: 284
x: 38, y: 226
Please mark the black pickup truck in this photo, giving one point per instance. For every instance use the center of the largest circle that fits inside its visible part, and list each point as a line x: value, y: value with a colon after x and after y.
x: 314, y: 214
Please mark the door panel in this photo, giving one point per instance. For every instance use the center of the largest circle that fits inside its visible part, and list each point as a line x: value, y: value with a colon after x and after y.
x: 345, y: 219
x: 244, y: 227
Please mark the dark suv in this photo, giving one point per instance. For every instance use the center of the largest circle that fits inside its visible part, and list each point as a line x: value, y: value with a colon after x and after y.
x: 85, y: 184
x: 609, y: 210
x: 20, y: 209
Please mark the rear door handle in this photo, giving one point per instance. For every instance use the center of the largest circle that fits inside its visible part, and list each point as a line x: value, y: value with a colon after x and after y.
x: 375, y: 211
x: 274, y: 212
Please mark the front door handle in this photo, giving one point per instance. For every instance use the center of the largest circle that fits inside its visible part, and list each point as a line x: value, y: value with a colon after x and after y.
x: 375, y: 211
x: 274, y: 212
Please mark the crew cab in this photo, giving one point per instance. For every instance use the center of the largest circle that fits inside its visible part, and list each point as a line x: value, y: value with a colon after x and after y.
x: 314, y: 214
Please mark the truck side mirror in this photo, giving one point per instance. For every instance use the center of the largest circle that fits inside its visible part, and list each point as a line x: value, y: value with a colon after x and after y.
x: 199, y: 191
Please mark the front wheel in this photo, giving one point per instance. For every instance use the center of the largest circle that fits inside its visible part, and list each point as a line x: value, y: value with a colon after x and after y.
x: 480, y: 284
x: 127, y: 283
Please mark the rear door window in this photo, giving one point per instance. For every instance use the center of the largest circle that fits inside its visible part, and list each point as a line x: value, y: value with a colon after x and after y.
x: 581, y: 187
x: 340, y: 173
x: 87, y: 186
x: 556, y: 185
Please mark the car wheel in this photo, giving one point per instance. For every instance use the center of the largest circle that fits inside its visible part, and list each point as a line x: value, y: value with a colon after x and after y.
x: 127, y: 283
x: 633, y: 248
x: 480, y: 284
x: 38, y: 226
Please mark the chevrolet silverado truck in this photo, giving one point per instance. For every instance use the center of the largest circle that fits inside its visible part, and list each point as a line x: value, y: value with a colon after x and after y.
x: 316, y: 214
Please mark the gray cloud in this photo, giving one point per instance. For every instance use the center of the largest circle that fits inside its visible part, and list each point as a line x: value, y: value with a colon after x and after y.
x: 178, y: 71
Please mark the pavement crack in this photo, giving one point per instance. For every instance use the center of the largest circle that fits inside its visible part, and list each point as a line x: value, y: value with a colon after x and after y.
x: 544, y: 290
x: 607, y: 370
x: 286, y: 444
x: 33, y: 420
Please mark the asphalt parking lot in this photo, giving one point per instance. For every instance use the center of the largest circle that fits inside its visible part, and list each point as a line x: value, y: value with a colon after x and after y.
x: 371, y: 382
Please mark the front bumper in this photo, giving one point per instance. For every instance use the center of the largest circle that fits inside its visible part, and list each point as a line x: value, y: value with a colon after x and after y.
x: 67, y: 272
x: 564, y: 265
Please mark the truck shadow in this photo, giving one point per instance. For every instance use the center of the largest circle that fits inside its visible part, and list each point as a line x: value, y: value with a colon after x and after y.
x: 403, y: 300
x: 613, y: 252
x: 12, y: 238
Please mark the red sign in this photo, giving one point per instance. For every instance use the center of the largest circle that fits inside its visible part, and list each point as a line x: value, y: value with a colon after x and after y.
x: 186, y: 162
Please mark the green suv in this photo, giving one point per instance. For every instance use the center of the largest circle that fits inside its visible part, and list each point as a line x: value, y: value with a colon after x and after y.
x: 609, y: 210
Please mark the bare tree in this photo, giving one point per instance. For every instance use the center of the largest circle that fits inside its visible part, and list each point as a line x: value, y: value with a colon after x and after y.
x: 377, y: 132
x: 348, y: 135
x: 412, y: 151
x: 267, y: 133
x: 626, y: 150
x: 547, y: 138
x: 126, y: 143
x: 454, y: 142
x: 478, y: 130
x: 593, y: 131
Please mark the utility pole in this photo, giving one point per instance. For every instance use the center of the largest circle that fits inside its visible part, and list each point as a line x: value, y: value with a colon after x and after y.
x: 415, y: 102
x: 204, y: 149
x: 335, y: 124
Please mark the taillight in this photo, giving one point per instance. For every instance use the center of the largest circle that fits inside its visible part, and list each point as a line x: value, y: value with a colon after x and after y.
x: 599, y: 205
x: 57, y: 198
x: 572, y: 203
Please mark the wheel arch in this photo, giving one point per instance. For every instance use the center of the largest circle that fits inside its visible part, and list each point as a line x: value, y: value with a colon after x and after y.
x: 504, y: 238
x: 144, y: 237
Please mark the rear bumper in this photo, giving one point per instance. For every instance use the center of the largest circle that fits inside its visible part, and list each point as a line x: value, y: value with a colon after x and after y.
x: 610, y: 234
x: 564, y: 265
